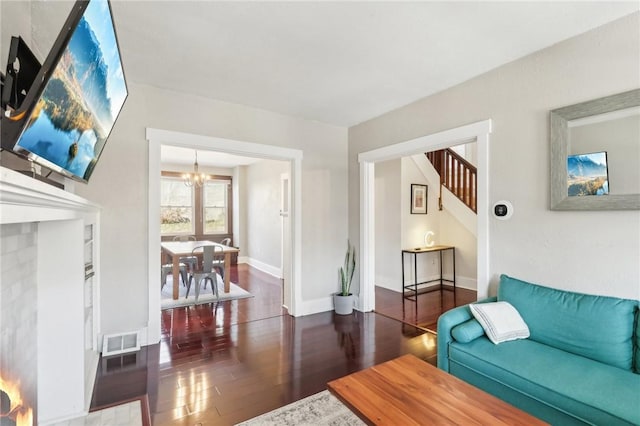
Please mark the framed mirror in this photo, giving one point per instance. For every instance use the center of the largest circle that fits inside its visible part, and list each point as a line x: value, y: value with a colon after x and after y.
x: 595, y: 154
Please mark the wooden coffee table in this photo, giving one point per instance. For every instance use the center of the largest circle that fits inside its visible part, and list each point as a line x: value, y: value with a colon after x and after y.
x: 409, y: 391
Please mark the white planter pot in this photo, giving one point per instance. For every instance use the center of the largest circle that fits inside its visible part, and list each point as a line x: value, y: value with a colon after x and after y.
x: 343, y: 305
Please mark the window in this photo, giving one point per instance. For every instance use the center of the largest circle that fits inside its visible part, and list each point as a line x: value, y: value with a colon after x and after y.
x: 202, y: 212
x: 215, y: 207
x: 176, y: 207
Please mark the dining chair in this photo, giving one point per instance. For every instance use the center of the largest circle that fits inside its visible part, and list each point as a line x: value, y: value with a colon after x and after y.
x: 167, y: 269
x: 189, y: 260
x: 218, y: 260
x: 205, y: 270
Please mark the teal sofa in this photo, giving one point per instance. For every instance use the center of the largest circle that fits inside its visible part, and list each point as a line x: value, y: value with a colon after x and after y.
x: 580, y: 364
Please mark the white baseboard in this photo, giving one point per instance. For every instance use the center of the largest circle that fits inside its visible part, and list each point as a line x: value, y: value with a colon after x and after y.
x: 325, y: 304
x: 264, y: 267
x: 90, y: 380
x: 462, y: 282
x: 315, y: 306
x: 467, y: 283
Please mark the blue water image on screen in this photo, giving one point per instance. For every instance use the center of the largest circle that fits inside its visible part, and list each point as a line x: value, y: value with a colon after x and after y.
x: 76, y: 112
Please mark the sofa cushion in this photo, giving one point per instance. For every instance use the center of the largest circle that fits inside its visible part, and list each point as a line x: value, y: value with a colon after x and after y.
x: 597, y: 327
x: 594, y: 392
x: 636, y: 357
x: 467, y: 331
x: 500, y: 320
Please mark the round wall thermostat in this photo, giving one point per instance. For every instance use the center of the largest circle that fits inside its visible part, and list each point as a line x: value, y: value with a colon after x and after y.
x: 502, y: 210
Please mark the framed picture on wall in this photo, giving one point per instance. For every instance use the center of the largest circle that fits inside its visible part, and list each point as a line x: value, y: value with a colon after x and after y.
x: 587, y: 174
x: 418, y: 198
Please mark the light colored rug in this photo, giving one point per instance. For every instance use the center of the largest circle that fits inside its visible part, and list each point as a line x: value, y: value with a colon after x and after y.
x: 206, y: 295
x: 321, y: 409
x: 127, y: 414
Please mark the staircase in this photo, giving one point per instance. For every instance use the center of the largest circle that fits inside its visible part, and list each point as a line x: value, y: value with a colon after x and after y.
x: 457, y: 175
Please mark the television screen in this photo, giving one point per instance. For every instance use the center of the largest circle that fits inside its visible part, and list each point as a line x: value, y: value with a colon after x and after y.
x: 70, y: 121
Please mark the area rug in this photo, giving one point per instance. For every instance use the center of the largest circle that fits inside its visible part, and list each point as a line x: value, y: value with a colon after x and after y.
x: 206, y: 295
x: 133, y: 412
x: 321, y: 409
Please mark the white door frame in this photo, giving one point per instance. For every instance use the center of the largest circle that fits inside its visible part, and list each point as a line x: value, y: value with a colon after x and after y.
x: 158, y: 137
x: 285, y: 238
x: 479, y: 132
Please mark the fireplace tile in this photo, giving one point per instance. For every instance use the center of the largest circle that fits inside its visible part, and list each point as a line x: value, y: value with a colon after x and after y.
x: 18, y: 310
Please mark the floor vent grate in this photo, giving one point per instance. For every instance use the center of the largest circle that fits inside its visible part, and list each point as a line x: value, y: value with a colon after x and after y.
x: 115, y: 344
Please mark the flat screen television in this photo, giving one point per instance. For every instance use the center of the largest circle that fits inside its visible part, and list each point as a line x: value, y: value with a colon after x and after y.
x: 72, y: 106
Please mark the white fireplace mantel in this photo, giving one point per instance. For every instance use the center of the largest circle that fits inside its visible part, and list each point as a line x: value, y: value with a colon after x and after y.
x: 24, y: 199
x: 67, y: 240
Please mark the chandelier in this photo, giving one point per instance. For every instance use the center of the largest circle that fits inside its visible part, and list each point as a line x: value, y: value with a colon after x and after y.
x: 194, y: 179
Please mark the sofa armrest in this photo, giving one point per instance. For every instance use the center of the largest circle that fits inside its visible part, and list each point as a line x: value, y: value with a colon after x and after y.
x: 446, y: 322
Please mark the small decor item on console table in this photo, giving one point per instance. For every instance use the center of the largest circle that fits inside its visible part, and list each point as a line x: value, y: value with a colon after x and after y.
x: 343, y: 300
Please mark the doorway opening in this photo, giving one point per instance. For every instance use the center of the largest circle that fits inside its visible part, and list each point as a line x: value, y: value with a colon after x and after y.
x: 476, y: 132
x: 292, y: 158
x: 238, y: 203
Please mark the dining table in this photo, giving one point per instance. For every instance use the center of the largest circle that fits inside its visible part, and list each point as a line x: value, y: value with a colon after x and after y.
x: 177, y: 249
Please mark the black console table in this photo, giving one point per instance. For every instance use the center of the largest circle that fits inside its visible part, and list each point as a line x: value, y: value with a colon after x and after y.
x: 410, y: 291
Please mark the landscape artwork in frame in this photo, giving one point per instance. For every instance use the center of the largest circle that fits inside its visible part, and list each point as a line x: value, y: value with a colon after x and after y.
x: 587, y: 174
x: 418, y: 199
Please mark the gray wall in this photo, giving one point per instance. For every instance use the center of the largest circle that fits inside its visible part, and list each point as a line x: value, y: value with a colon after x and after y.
x: 536, y: 244
x: 262, y: 212
x: 593, y: 252
x: 18, y: 25
x: 388, y: 224
x: 119, y: 185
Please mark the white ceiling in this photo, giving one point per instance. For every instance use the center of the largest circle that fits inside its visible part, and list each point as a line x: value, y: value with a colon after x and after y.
x: 337, y: 62
x: 340, y: 63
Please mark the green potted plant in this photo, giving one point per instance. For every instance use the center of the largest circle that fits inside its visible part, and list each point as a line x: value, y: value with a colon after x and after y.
x: 343, y: 300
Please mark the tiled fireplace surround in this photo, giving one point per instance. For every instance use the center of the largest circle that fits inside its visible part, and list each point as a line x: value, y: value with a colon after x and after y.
x: 43, y: 349
x: 18, y: 314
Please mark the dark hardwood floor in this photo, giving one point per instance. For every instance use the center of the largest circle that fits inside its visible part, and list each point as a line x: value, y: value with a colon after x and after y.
x: 423, y: 311
x: 219, y: 364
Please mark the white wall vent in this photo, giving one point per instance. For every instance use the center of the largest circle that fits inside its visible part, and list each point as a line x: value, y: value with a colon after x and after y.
x: 115, y: 344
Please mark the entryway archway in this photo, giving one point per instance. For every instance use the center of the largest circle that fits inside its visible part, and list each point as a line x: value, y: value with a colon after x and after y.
x: 156, y: 138
x: 478, y: 132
